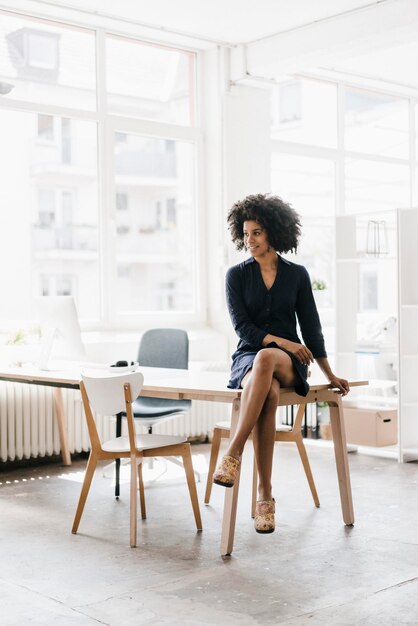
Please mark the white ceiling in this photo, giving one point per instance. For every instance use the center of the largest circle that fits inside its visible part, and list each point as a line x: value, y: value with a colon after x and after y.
x: 370, y: 39
x: 229, y: 21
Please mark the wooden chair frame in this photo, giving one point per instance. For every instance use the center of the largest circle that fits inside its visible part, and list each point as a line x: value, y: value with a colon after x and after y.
x: 295, y: 435
x: 136, y: 456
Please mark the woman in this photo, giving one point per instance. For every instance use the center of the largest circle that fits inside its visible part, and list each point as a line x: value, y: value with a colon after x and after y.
x: 266, y: 294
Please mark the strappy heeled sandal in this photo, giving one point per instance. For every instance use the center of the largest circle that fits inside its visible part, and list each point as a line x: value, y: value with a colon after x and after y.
x: 264, y: 516
x: 226, y: 472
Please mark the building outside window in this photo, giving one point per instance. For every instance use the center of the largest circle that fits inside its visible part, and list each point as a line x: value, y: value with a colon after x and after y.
x: 52, y: 184
x: 46, y: 127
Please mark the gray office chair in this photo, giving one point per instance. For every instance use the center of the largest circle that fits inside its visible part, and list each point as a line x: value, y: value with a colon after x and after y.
x: 159, y: 347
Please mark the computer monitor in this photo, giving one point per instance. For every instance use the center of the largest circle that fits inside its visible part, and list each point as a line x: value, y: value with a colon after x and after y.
x: 60, y: 332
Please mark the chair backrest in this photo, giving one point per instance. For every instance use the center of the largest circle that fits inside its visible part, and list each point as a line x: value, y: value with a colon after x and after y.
x: 164, y: 347
x: 107, y: 395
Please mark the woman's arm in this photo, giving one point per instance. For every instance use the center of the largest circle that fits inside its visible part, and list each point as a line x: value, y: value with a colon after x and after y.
x: 304, y: 355
x: 301, y: 352
x: 310, y: 325
x: 340, y: 383
x: 241, y: 321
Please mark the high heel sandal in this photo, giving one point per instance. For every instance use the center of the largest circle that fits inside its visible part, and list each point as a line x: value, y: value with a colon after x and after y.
x: 226, y: 472
x: 264, y: 516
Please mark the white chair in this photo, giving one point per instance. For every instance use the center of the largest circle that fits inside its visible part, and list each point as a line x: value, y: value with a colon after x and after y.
x: 110, y: 395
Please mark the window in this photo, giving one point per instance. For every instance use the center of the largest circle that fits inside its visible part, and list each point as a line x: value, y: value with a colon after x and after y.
x: 53, y: 285
x: 171, y: 212
x: 52, y: 185
x: 46, y: 127
x: 42, y: 50
x: 290, y: 102
x: 149, y: 81
x: 375, y: 186
x: 309, y: 185
x: 47, y: 62
x: 376, y: 124
x: 34, y: 48
x: 305, y: 111
x: 361, y: 167
x: 46, y: 207
x: 64, y: 286
x: 121, y: 201
x: 52, y: 215
x: 158, y: 241
x: 66, y: 140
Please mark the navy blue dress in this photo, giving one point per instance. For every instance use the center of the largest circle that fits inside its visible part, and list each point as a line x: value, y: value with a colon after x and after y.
x: 257, y: 311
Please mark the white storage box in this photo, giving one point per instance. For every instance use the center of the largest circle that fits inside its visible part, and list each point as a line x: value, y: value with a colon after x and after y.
x: 371, y: 427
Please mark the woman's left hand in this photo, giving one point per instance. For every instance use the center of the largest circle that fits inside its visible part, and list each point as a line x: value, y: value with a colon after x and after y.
x: 340, y: 383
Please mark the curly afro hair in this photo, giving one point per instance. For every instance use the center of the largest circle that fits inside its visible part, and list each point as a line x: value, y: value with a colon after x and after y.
x: 281, y: 222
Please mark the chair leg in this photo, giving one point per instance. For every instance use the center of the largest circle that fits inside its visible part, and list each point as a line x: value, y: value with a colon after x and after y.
x: 307, y: 468
x: 214, y: 451
x: 188, y: 468
x: 141, y: 493
x: 117, y: 478
x: 117, y: 473
x: 134, y: 501
x: 254, y: 490
x: 90, y: 469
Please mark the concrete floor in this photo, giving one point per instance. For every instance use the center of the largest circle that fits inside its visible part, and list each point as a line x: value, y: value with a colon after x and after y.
x: 313, y: 570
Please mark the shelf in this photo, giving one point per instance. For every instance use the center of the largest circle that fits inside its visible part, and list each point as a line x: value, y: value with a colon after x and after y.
x: 387, y: 452
x: 368, y: 259
x: 371, y: 402
x: 410, y: 454
x: 399, y: 286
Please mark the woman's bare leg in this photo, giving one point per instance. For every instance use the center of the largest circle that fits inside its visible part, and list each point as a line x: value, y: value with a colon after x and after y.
x: 264, y: 433
x: 269, y: 363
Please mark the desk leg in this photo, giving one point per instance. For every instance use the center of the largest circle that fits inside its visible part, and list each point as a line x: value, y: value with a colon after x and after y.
x: 341, y: 459
x: 62, y: 426
x: 231, y: 496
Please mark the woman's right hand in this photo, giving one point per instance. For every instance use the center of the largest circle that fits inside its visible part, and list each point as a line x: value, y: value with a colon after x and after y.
x: 301, y: 352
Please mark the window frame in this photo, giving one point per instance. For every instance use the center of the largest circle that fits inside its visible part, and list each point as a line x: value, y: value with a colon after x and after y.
x: 107, y: 125
x: 130, y: 320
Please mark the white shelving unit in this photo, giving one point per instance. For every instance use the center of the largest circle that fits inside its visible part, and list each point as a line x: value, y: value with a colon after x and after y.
x: 386, y: 255
x: 408, y: 332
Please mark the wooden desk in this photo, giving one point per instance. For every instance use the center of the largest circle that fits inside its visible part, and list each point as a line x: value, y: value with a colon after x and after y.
x: 209, y: 386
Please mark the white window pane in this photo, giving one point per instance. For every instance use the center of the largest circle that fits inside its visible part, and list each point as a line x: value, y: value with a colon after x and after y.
x: 48, y: 230
x: 46, y: 127
x: 317, y: 255
x: 42, y: 50
x: 376, y: 124
x: 154, y: 231
x: 308, y: 184
x: 305, y: 111
x: 47, y: 62
x: 375, y: 186
x: 150, y: 81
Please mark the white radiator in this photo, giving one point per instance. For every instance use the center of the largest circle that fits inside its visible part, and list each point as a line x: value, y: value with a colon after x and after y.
x: 28, y: 426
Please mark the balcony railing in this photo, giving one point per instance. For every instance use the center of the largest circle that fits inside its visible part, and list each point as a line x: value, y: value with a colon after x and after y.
x: 74, y: 237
